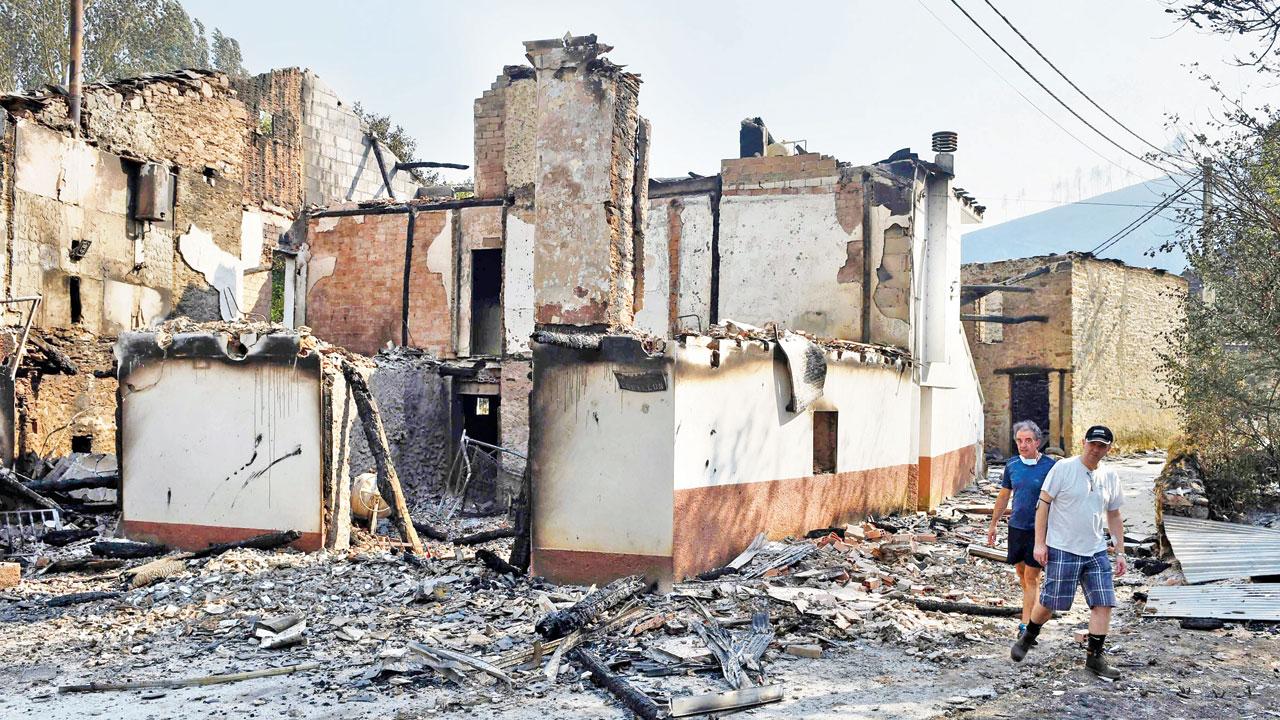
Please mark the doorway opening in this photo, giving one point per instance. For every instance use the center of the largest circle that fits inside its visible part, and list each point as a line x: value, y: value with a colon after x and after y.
x: 1029, y: 400
x: 486, y: 302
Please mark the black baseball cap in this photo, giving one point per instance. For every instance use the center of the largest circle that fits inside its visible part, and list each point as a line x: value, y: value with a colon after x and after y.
x: 1099, y: 433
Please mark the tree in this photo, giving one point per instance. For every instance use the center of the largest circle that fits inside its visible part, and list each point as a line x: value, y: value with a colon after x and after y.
x: 123, y: 38
x: 1258, y: 19
x: 396, y: 139
x: 1225, y: 365
x: 225, y: 51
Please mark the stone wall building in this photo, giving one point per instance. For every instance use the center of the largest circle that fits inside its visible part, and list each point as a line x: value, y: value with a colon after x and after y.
x: 1089, y: 355
x: 169, y: 201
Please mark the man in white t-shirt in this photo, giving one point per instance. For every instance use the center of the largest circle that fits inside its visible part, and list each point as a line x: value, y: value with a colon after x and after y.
x: 1077, y: 495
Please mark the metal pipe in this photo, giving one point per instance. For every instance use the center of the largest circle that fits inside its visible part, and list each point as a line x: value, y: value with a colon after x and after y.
x: 75, y: 67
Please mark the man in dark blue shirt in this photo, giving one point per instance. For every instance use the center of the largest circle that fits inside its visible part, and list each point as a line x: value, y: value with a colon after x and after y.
x: 1022, y: 479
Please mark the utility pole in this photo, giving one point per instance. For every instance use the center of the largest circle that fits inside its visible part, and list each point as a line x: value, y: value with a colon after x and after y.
x: 75, y: 68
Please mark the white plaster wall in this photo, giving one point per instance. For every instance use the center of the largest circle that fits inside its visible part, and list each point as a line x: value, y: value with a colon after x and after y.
x: 603, y: 466
x: 652, y: 316
x: 732, y: 425
x: 517, y: 284
x: 695, y: 261
x: 779, y: 256
x: 951, y: 415
x: 200, y: 437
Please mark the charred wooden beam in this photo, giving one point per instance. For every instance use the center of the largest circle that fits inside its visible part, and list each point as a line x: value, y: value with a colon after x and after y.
x: 388, y: 480
x: 497, y: 564
x: 64, y: 484
x: 382, y: 165
x: 127, y: 549
x: 9, y: 485
x: 429, y: 164
x: 522, y: 549
x: 485, y: 536
x: 637, y: 702
x: 81, y: 597
x: 405, y: 207
x: 265, y: 541
x: 430, y: 531
x: 589, y: 609
x: 58, y: 538
x: 1004, y: 319
x: 966, y: 608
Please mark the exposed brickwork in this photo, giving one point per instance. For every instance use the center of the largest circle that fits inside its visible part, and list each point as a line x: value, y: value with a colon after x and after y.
x: 490, y: 112
x: 738, y: 172
x: 273, y: 166
x: 359, y: 305
x: 1107, y: 324
x: 52, y: 409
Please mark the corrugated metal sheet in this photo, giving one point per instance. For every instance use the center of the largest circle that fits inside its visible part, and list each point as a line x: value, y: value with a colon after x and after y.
x: 1211, y: 550
x: 1225, y: 602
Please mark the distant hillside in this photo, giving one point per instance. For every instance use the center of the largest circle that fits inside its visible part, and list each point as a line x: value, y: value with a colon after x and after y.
x: 1083, y: 225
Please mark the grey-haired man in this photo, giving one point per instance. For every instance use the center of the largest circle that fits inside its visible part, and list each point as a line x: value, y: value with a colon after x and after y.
x: 1076, y: 497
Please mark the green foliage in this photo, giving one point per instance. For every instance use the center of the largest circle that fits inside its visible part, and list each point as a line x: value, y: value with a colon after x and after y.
x: 123, y: 38
x: 277, y: 287
x: 396, y: 139
x: 1225, y: 366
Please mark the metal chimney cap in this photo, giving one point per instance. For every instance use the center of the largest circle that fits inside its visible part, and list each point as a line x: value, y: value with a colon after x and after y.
x: 945, y: 141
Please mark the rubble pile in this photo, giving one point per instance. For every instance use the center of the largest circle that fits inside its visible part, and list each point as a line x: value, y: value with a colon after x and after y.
x: 1181, y: 488
x: 377, y: 621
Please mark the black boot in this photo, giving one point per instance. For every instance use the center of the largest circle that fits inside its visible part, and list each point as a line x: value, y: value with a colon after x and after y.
x: 1025, y: 642
x: 1096, y: 662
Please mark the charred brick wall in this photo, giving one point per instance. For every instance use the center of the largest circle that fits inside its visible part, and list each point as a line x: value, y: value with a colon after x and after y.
x: 356, y: 280
x: 273, y: 164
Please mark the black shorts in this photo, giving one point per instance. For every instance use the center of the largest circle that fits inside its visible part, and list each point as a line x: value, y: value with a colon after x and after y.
x: 1022, y: 546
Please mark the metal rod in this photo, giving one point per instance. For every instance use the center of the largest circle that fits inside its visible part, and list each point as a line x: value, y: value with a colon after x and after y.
x: 473, y: 441
x: 75, y: 66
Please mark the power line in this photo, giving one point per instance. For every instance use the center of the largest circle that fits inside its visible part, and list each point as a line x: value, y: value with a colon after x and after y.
x: 1022, y: 95
x: 1069, y: 82
x: 1143, y: 219
x: 1051, y: 93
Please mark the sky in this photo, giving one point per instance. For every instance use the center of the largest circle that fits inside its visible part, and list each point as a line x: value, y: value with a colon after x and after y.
x: 857, y: 79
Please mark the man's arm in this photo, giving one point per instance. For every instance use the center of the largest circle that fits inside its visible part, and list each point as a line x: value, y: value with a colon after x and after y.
x: 1115, y: 524
x: 1041, y: 551
x: 996, y: 513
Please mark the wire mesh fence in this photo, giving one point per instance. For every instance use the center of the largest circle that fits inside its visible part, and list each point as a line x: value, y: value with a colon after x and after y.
x: 483, y: 478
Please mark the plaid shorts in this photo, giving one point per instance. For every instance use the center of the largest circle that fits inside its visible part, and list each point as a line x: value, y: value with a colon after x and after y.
x: 1066, y: 570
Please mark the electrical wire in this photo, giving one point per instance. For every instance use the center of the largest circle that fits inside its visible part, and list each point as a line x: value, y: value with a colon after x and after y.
x: 1023, y: 95
x: 1144, y: 218
x: 1054, y: 95
x: 1072, y: 84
